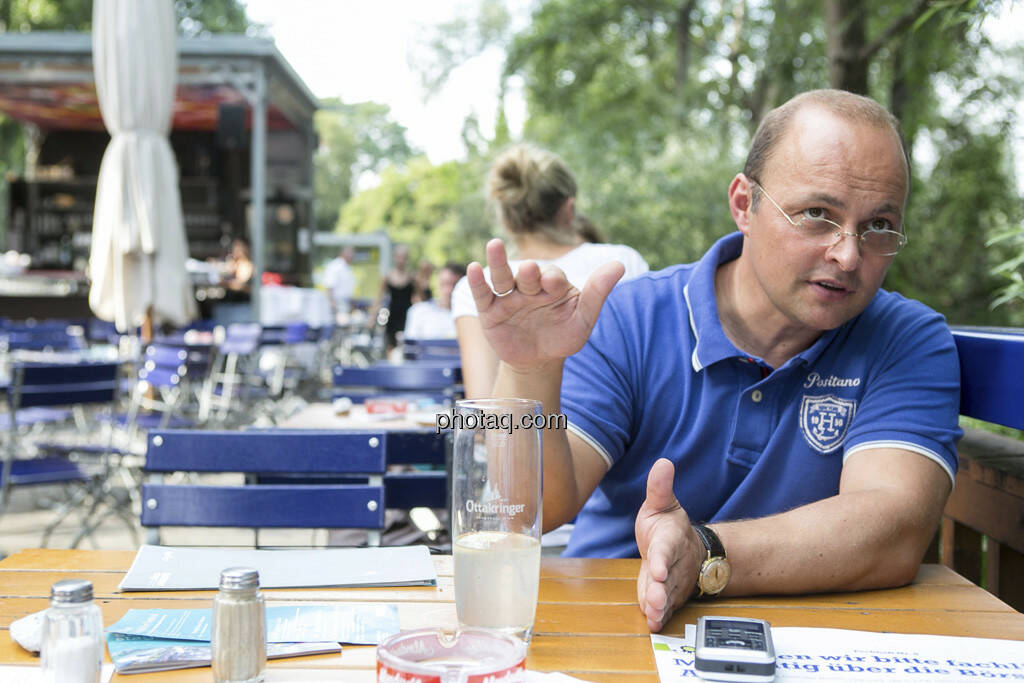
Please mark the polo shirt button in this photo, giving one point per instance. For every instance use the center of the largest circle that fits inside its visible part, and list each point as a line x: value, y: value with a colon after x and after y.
x: 756, y: 396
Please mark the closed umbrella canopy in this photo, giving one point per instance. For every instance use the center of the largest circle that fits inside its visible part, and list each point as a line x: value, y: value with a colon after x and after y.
x: 139, y: 248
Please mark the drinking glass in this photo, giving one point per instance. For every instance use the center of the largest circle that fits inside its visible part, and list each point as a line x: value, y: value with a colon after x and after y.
x: 496, y: 513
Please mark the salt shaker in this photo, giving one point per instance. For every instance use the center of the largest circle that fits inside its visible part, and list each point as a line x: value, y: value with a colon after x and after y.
x: 239, y: 629
x: 72, y: 647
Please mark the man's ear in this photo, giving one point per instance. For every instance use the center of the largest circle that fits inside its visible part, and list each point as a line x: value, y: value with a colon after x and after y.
x: 741, y: 196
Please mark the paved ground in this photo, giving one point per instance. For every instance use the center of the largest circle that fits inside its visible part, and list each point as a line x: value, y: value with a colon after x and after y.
x: 31, y: 509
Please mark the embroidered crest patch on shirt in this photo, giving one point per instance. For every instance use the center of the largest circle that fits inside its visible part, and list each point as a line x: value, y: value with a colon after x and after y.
x: 825, y: 420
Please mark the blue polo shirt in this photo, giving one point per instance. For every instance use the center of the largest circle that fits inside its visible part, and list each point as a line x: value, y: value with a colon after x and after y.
x: 659, y: 378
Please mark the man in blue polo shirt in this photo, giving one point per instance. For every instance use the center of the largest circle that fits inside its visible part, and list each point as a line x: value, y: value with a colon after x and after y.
x: 766, y: 420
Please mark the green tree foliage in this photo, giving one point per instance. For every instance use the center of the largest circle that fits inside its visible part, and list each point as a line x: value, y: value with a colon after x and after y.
x: 1011, y: 294
x: 962, y: 201
x: 204, y: 17
x: 45, y: 15
x: 437, y: 210
x: 652, y: 103
x: 355, y: 139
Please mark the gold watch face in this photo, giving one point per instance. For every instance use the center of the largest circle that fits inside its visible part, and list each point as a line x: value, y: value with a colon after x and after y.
x: 714, y: 575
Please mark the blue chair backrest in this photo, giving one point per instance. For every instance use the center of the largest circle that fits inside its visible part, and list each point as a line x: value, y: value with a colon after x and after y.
x: 289, y: 505
x: 420, y: 376
x: 991, y: 374
x: 270, y: 450
x: 101, y: 331
x: 241, y: 338
x: 167, y: 365
x: 56, y: 335
x: 431, y: 349
x: 292, y: 333
x: 425, y: 485
x: 59, y: 384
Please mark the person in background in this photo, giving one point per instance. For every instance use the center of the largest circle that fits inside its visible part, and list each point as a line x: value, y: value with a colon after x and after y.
x: 396, y: 290
x: 433, y: 319
x: 421, y: 281
x: 768, y: 419
x: 236, y: 271
x: 534, y: 195
x: 240, y: 269
x: 340, y: 282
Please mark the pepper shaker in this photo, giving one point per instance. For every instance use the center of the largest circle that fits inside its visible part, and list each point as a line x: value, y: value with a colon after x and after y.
x: 72, y: 646
x: 239, y: 628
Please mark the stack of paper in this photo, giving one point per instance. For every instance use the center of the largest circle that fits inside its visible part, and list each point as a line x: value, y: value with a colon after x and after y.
x: 165, y: 568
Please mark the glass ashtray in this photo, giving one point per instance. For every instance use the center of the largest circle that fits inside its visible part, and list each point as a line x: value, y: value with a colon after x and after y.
x: 468, y: 655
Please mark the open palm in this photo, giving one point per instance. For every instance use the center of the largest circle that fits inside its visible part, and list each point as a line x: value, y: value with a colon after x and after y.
x: 544, y: 317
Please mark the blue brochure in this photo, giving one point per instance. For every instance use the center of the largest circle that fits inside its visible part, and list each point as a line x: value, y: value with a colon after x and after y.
x: 353, y: 624
x: 162, y: 639
x: 141, y: 654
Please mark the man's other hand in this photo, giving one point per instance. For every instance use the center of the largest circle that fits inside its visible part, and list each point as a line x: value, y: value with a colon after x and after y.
x: 536, y: 316
x: 670, y: 551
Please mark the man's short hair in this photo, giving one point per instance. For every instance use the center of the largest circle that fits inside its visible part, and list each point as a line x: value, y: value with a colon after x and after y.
x: 846, y: 105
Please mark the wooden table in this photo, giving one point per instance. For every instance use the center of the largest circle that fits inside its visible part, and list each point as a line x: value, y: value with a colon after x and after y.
x: 588, y: 623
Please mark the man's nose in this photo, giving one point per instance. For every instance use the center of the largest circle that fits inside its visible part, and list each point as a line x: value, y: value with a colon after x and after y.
x: 846, y: 252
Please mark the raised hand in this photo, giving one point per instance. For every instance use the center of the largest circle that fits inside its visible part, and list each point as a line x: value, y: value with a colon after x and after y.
x: 669, y: 549
x: 536, y: 316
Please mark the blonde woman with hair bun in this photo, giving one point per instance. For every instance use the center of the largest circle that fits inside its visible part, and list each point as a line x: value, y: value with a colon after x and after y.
x: 534, y: 197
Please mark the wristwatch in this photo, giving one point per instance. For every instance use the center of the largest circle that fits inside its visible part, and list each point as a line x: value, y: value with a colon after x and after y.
x: 714, y: 571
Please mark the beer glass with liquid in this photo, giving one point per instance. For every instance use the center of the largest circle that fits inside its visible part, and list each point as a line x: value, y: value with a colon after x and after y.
x: 496, y: 513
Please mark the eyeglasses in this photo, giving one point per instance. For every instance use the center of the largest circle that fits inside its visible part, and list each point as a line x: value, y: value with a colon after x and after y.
x: 822, y: 232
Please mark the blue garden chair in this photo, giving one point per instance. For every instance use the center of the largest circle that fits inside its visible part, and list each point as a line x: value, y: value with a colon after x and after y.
x: 989, y: 359
x: 321, y: 479
x: 431, y: 350
x: 44, y: 335
x: 437, y: 380
x: 69, y: 388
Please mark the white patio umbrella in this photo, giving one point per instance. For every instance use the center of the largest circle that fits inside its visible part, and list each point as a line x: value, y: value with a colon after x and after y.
x: 139, y: 248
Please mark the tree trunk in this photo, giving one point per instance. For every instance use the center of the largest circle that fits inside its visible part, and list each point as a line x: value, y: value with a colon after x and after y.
x: 899, y: 97
x: 900, y: 93
x: 846, y: 38
x: 684, y: 18
x: 739, y: 13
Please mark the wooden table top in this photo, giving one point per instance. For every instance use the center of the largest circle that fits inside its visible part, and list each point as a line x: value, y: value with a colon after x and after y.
x: 588, y: 623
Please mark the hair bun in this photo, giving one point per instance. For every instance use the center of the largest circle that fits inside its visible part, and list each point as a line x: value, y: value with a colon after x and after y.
x: 529, y: 185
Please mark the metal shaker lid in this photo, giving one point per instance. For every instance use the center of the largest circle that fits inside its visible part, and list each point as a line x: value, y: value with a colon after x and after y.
x: 71, y: 591
x: 239, y: 577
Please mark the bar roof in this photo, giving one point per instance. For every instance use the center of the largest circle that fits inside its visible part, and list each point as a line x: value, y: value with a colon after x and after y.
x: 46, y: 78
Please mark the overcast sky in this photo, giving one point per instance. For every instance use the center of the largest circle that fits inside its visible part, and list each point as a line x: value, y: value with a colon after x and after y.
x: 361, y: 51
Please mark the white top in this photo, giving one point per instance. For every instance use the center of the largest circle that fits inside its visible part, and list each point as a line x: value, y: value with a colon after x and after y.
x: 427, y: 320
x: 281, y: 305
x: 340, y: 281
x: 577, y: 265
